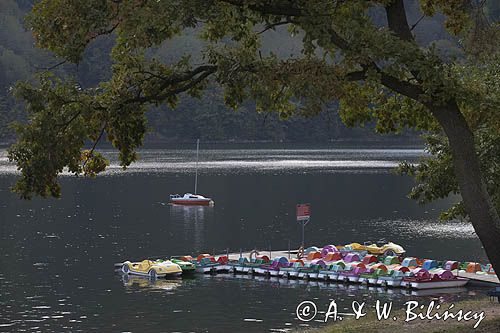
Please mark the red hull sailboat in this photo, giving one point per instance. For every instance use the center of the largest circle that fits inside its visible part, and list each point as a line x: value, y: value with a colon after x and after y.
x: 189, y: 199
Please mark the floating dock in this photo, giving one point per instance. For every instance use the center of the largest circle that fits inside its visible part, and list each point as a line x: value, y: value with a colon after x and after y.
x: 480, y: 280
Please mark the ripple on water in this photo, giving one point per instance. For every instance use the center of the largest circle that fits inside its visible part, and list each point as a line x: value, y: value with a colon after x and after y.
x: 167, y: 161
x: 431, y: 228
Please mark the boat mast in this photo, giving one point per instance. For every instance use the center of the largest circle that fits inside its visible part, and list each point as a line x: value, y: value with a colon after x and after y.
x: 196, y: 175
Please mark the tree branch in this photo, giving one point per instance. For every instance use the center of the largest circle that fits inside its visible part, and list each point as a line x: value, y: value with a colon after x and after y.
x: 101, y: 33
x: 194, y: 77
x: 285, y: 9
x: 402, y: 87
x: 52, y: 67
x: 95, y: 145
x: 274, y: 25
x: 396, y: 18
x: 416, y: 23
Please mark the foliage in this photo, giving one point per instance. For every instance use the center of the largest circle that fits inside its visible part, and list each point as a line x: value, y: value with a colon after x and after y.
x: 435, y: 174
x: 379, y: 72
x: 207, y: 117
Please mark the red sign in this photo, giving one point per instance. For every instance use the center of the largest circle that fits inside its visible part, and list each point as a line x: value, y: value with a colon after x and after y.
x: 303, y: 212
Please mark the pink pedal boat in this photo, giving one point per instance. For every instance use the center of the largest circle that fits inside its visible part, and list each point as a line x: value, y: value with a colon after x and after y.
x: 354, y: 273
x: 438, y: 279
x: 274, y: 268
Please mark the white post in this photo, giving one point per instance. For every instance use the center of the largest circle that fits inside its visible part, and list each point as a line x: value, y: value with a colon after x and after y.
x: 196, y: 176
x: 303, y: 227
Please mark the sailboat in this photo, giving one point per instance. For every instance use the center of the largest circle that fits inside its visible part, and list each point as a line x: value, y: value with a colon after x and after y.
x: 190, y: 199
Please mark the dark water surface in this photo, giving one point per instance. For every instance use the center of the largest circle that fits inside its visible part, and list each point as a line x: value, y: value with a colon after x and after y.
x: 57, y: 256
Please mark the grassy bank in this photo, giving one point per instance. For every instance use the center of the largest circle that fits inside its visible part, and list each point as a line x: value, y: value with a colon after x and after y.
x: 369, y: 323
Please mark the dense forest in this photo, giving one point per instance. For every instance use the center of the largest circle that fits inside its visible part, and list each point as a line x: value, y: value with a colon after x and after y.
x: 206, y: 118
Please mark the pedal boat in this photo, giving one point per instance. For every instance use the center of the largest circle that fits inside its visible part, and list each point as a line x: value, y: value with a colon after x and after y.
x: 237, y: 266
x: 394, y: 277
x: 186, y: 266
x: 206, y: 263
x: 353, y: 272
x: 332, y: 271
x: 439, y: 279
x: 312, y: 271
x: 252, y: 266
x: 223, y: 266
x: 389, y: 249
x: 152, y: 269
x: 245, y: 266
x: 273, y: 268
x: 372, y: 273
x: 291, y: 270
x: 413, y: 274
x: 370, y: 261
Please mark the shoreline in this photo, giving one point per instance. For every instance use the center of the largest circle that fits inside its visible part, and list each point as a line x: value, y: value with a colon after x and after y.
x: 370, y: 323
x: 360, y: 143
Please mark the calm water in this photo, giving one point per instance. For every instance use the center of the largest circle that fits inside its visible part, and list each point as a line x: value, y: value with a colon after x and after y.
x: 57, y: 256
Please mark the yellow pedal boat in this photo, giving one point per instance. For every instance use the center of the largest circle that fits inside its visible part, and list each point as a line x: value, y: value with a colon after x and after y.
x: 152, y: 269
x: 389, y: 249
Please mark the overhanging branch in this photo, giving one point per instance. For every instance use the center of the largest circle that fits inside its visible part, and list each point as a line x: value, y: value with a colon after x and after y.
x: 396, y: 18
x: 286, y: 8
x: 188, y: 80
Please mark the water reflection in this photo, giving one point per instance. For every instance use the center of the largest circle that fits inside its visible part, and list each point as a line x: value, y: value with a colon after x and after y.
x: 269, y: 301
x: 135, y: 282
x: 192, y: 220
x: 359, y: 290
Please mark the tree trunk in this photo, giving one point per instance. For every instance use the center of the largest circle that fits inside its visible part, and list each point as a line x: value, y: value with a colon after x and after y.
x: 477, y: 201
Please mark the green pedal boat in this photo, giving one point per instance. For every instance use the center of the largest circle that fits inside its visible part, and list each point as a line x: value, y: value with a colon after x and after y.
x: 186, y: 266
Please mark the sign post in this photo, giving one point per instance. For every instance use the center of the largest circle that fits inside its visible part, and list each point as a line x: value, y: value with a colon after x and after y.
x: 303, y: 217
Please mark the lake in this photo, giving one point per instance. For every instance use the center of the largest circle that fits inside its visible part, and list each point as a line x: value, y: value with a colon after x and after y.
x: 57, y: 255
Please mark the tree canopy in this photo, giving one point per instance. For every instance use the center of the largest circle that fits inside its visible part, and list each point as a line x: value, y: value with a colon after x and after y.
x: 377, y: 71
x: 207, y: 118
x: 348, y: 55
x: 435, y: 174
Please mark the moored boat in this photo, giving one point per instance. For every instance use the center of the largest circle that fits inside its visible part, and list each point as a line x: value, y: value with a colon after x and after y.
x: 205, y: 263
x: 186, y: 266
x: 438, y: 282
x: 151, y: 269
x: 189, y: 199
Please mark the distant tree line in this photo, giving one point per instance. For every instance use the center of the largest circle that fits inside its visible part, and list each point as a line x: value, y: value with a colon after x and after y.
x: 207, y: 118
